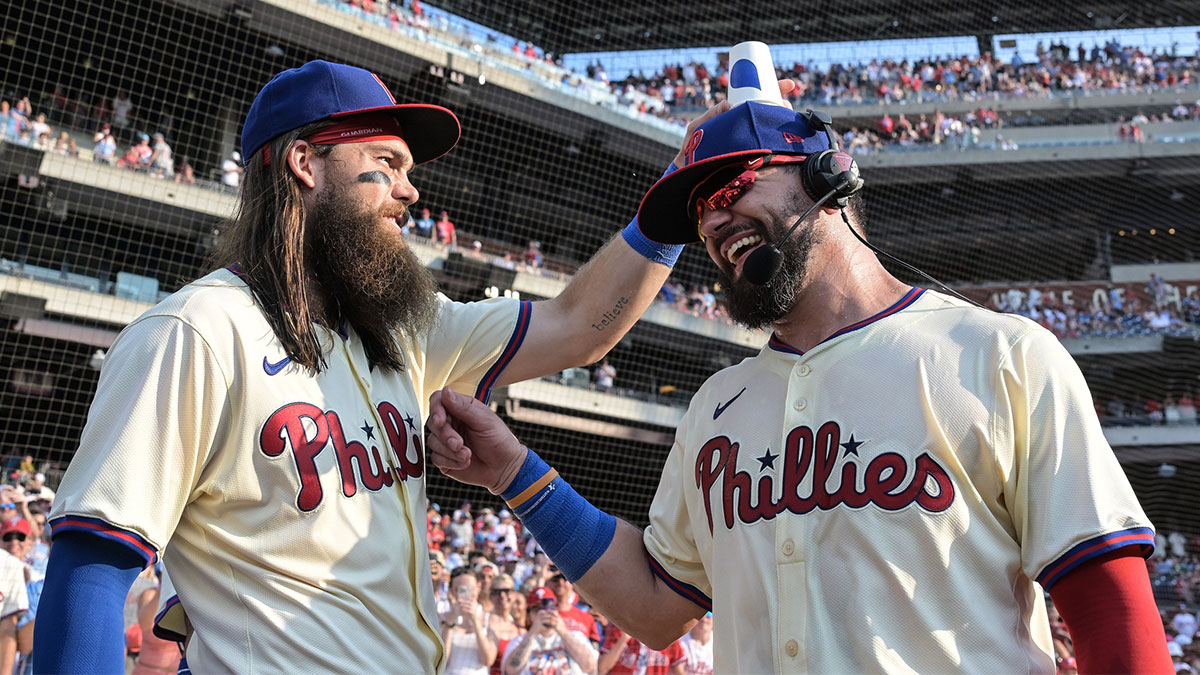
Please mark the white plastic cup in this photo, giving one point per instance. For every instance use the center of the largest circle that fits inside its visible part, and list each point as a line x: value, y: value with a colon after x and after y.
x: 750, y: 66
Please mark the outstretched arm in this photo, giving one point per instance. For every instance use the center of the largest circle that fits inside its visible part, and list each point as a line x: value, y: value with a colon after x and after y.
x: 604, y: 557
x: 602, y: 302
x: 604, y: 299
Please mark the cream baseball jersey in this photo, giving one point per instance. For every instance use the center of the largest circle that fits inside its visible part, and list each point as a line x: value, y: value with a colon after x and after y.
x: 292, y: 505
x: 893, y: 499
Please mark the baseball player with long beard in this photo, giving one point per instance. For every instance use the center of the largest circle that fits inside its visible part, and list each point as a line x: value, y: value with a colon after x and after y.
x: 887, y: 486
x: 263, y: 424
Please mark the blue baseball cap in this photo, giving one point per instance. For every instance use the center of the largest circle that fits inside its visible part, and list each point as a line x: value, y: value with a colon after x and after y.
x: 322, y: 90
x: 723, y: 144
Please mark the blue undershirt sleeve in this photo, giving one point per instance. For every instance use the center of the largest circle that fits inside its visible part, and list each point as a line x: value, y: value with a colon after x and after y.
x: 80, y: 626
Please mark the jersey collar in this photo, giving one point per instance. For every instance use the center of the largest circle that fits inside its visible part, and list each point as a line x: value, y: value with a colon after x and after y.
x: 777, y: 344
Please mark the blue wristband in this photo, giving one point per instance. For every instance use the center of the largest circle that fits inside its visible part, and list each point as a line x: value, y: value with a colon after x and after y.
x: 569, y: 529
x: 663, y: 254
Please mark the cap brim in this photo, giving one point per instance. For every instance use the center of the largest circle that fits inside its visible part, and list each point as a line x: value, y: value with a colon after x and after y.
x: 429, y: 130
x: 665, y: 216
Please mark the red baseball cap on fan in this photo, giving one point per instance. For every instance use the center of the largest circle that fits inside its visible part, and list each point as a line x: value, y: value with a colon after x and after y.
x: 358, y: 100
x: 21, y: 525
x: 537, y: 595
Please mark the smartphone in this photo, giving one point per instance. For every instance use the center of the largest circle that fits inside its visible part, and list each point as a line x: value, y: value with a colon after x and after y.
x: 464, y: 594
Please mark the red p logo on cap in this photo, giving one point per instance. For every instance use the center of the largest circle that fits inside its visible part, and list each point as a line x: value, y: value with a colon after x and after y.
x: 689, y: 150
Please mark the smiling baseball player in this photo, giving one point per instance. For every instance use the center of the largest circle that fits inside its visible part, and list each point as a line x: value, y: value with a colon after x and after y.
x: 888, y: 486
x: 264, y: 423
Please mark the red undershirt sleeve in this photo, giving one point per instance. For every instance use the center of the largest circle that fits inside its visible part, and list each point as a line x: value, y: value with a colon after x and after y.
x: 1109, y: 609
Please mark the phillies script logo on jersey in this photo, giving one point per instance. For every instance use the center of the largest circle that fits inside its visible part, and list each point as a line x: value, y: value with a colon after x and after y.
x: 286, y: 428
x: 808, y: 454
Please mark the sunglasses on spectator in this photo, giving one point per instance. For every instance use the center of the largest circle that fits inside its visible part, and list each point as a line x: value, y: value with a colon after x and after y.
x: 19, y: 536
x: 502, y: 591
x: 8, y: 505
x: 722, y: 190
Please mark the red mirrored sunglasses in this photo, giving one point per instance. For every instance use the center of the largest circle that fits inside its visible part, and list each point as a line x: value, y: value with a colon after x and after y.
x: 724, y: 193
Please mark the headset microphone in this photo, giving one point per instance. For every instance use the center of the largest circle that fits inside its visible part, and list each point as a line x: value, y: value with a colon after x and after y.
x: 763, y: 264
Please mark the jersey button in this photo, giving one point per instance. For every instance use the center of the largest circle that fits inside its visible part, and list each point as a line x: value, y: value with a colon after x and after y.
x: 804, y: 370
x: 789, y: 548
x: 791, y: 648
x: 801, y: 404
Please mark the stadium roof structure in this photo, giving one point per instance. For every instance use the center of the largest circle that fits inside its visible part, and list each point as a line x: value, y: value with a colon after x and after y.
x: 571, y: 26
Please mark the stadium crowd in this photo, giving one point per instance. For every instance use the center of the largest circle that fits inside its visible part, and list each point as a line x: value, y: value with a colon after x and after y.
x: 25, y: 500
x: 1057, y: 70
x: 147, y: 153
x: 506, y: 609
x: 674, y: 94
x: 677, y: 91
x: 1123, y: 313
x: 1175, y: 576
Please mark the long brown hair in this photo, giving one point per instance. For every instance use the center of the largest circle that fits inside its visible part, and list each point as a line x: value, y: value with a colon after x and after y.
x: 266, y: 238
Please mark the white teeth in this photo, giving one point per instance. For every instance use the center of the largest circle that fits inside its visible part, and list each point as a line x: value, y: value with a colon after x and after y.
x: 740, y: 244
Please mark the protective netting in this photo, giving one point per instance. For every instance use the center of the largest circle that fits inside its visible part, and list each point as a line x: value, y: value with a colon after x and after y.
x: 1052, y: 176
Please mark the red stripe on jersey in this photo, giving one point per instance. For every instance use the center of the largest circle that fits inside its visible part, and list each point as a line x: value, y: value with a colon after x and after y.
x: 686, y: 590
x: 1093, y: 547
x: 104, y: 529
x: 484, y: 391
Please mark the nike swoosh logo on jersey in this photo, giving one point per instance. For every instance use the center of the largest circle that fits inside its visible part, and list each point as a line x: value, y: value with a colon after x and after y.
x: 721, y: 408
x: 274, y: 368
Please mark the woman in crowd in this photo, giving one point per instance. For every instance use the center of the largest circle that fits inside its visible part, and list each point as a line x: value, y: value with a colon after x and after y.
x: 469, y: 647
x: 500, y: 623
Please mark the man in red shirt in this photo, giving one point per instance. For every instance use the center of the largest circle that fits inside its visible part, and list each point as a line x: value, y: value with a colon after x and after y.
x: 443, y: 230
x: 622, y: 655
x: 886, y: 126
x: 574, y: 617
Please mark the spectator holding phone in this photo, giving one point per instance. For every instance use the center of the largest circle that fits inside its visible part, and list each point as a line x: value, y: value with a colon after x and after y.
x: 500, y: 624
x: 574, y: 617
x: 549, y: 646
x: 470, y: 648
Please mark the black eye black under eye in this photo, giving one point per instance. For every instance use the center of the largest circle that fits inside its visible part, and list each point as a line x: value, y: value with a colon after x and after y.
x: 374, y: 177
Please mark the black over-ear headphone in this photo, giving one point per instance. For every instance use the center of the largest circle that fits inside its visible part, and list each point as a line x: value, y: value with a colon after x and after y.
x: 829, y: 170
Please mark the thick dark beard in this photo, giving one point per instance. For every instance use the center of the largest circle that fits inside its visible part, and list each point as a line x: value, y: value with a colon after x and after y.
x: 757, y: 307
x: 367, y: 276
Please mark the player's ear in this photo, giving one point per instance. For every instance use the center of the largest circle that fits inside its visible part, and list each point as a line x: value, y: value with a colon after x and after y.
x: 303, y: 162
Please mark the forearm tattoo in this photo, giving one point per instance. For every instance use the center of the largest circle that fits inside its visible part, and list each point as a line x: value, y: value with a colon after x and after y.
x: 610, y: 317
